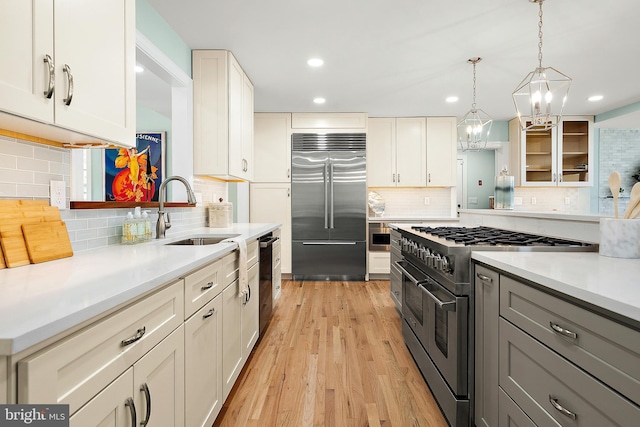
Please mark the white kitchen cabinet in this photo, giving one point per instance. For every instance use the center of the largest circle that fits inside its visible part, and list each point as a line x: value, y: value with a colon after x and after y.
x: 203, y: 367
x: 561, y: 156
x: 3, y: 381
x: 272, y: 203
x: 441, y: 152
x: 154, y: 385
x: 250, y: 313
x: 326, y: 121
x: 223, y: 116
x: 396, y: 150
x: 87, y: 87
x: 379, y: 262
x: 202, y: 286
x: 272, y: 147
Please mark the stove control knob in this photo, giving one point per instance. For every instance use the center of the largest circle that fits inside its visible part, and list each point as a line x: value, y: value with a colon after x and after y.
x: 448, y: 263
x: 445, y: 264
x: 437, y: 262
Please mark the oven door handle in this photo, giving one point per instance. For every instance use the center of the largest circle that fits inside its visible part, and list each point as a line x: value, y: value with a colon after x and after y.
x: 443, y: 305
x: 407, y: 274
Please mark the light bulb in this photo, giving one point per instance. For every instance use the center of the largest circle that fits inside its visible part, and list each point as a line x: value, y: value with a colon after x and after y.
x: 548, y: 96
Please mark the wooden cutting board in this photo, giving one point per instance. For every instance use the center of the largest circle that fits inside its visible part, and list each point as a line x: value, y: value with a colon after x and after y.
x: 46, y: 241
x: 12, y: 217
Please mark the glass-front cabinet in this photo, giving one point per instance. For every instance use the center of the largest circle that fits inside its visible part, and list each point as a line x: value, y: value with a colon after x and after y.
x: 561, y: 156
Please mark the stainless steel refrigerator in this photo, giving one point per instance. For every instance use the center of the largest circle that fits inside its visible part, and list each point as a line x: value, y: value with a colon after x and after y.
x: 328, y: 206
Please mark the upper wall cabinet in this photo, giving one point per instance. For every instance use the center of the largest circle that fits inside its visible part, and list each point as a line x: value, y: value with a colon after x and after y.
x: 272, y: 147
x: 396, y: 152
x: 441, y: 152
x: 223, y: 116
x: 562, y: 156
x: 336, y: 121
x: 69, y: 64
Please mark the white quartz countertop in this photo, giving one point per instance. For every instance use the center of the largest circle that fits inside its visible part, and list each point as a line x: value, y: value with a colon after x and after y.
x: 40, y: 301
x: 612, y: 284
x: 586, y: 217
x: 409, y: 219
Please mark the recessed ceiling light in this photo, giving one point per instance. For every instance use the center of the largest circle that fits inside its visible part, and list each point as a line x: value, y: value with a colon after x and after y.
x: 595, y: 98
x: 452, y: 99
x: 139, y: 69
x: 319, y: 100
x: 315, y: 62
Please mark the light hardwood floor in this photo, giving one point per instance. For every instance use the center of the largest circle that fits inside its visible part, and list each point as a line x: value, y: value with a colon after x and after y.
x: 332, y: 355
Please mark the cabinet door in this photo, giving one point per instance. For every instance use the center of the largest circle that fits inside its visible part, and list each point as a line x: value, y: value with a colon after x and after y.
x: 26, y: 37
x: 487, y: 346
x: 277, y: 269
x: 379, y: 262
x: 231, y: 337
x: 250, y: 313
x: 236, y: 84
x: 272, y: 203
x: 272, y: 147
x: 381, y: 152
x: 108, y: 407
x: 441, y: 151
x: 247, y: 128
x: 411, y: 162
x: 103, y: 85
x: 203, y: 365
x: 158, y: 383
x: 210, y: 113
x: 575, y: 148
x: 3, y: 381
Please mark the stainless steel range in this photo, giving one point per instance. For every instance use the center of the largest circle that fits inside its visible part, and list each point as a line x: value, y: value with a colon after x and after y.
x: 438, y: 303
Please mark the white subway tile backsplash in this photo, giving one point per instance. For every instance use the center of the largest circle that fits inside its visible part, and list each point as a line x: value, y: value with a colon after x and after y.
x: 33, y: 191
x: 8, y: 190
x: 13, y: 176
x: 10, y: 146
x: 409, y: 202
x: 8, y: 162
x: 48, y: 154
x: 29, y: 164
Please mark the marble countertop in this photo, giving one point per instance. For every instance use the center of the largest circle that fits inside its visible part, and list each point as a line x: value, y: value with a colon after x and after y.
x: 40, y: 301
x: 612, y: 284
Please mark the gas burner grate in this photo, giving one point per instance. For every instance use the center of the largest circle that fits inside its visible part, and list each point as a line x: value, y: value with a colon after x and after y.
x: 477, y: 236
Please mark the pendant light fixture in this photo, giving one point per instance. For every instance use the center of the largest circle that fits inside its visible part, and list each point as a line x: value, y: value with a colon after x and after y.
x: 540, y: 97
x: 475, y: 126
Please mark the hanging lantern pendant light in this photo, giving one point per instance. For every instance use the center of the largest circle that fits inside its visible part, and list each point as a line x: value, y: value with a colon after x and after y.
x: 475, y: 126
x: 540, y: 98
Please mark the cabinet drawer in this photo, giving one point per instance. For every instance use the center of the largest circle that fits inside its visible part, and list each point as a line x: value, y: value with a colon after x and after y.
x: 510, y: 414
x: 230, y: 265
x: 76, y: 369
x: 535, y: 377
x: 201, y: 286
x: 608, y: 350
x: 276, y: 253
x: 253, y: 253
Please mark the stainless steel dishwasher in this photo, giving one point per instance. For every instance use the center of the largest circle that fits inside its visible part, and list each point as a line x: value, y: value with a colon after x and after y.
x: 266, y: 279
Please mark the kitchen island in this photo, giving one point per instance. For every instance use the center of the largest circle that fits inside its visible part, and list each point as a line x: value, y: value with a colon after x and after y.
x: 556, y: 332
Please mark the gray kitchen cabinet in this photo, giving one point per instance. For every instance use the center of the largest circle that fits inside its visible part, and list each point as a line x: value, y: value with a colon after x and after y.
x: 551, y: 390
x: 395, y: 276
x: 542, y: 358
x: 487, y: 309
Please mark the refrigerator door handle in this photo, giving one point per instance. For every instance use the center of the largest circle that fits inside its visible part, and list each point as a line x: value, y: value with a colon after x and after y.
x: 331, y: 207
x: 325, y: 173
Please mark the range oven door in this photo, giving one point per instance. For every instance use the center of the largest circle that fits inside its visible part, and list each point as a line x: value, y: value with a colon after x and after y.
x: 447, y: 333
x: 413, y: 308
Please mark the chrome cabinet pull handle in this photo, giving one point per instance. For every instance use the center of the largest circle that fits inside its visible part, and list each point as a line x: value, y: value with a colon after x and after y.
x: 144, y: 387
x: 398, y: 177
x: 561, y: 409
x: 484, y: 278
x: 52, y: 77
x: 394, y: 177
x: 562, y: 331
x: 209, y: 313
x: 69, y: 98
x: 139, y: 334
x: 132, y: 410
x: 288, y: 173
x: 429, y: 176
x: 247, y: 297
x: 207, y: 286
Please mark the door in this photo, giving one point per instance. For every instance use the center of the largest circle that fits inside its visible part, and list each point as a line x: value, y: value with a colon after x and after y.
x: 310, y: 195
x: 113, y: 406
x: 26, y: 37
x: 347, y: 196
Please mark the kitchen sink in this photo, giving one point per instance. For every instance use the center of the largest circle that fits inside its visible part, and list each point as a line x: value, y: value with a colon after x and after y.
x: 203, y: 240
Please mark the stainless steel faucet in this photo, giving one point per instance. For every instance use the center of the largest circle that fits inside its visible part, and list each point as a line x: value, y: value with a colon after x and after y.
x: 162, y: 225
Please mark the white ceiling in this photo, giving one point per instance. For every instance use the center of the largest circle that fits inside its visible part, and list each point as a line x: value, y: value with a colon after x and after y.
x: 404, y: 57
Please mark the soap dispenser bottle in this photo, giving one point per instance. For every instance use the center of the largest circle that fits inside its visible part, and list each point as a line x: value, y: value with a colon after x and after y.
x: 129, y: 230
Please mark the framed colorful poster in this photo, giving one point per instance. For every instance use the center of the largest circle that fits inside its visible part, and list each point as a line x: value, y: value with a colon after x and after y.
x: 135, y: 174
